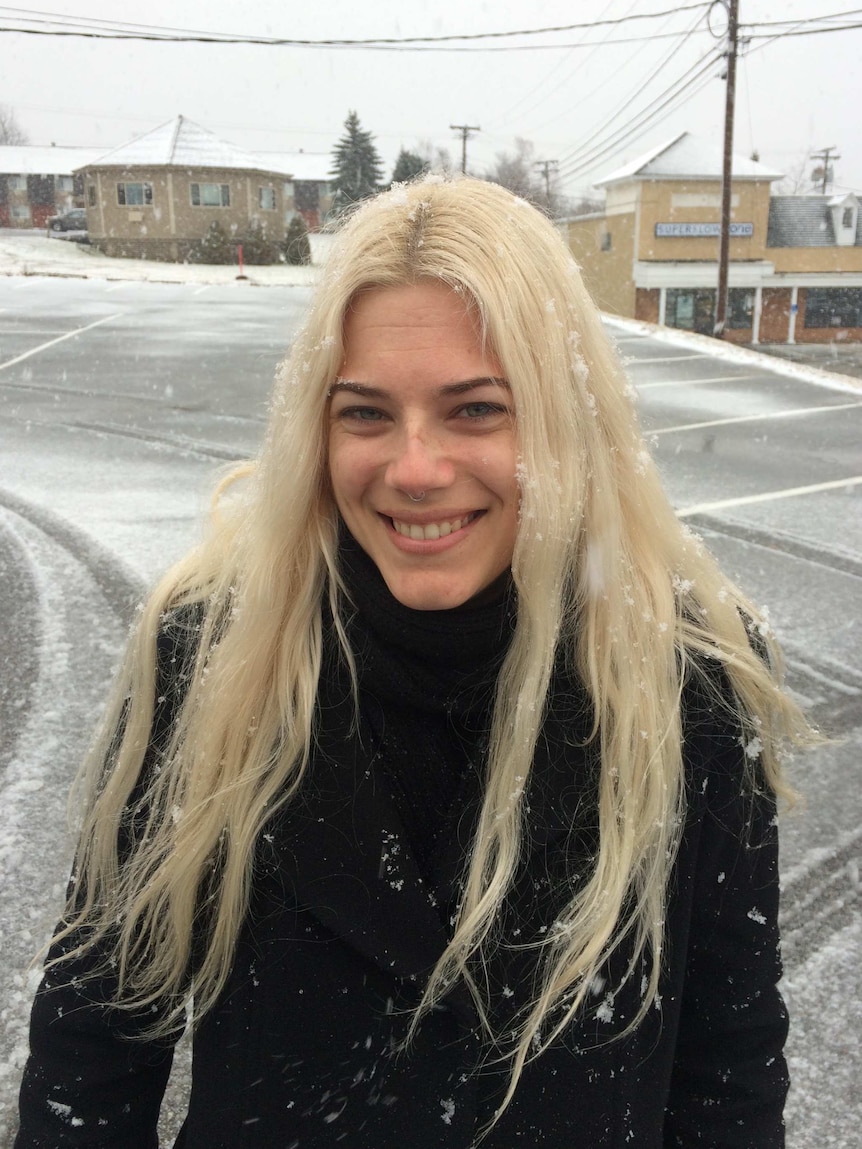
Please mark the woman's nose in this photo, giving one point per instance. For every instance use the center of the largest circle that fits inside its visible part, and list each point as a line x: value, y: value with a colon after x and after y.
x: 419, y: 463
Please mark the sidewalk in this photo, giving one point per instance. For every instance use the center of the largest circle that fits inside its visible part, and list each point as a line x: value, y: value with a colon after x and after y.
x: 843, y: 358
x: 36, y: 254
x: 813, y: 363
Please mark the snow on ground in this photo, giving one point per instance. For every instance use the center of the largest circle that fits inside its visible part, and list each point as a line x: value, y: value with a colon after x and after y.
x: 38, y: 255
x: 733, y: 353
x: 76, y: 621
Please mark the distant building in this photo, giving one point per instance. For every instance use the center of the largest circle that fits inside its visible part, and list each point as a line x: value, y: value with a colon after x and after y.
x: 156, y: 196
x: 38, y: 182
x: 795, y: 271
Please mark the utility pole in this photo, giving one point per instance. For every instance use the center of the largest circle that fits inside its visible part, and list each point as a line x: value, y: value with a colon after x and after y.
x: 546, y: 166
x: 727, y: 169
x: 825, y: 154
x: 465, y: 130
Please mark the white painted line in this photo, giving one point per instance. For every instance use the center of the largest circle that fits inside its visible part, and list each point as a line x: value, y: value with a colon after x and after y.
x: 201, y: 290
x: 666, y: 359
x: 116, y: 287
x: 768, y: 496
x: 754, y: 418
x: 693, y: 382
x: 59, y: 339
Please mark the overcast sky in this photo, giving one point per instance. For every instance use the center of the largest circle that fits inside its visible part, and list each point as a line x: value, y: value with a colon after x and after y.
x: 575, y: 100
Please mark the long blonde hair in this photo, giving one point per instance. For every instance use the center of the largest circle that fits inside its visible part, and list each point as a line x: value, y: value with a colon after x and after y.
x: 605, y: 575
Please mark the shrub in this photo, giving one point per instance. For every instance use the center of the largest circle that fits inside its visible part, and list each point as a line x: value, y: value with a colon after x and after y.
x: 213, y: 247
x: 257, y: 247
x: 296, y: 247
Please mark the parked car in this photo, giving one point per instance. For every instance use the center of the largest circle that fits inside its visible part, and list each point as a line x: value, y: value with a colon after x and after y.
x: 74, y: 220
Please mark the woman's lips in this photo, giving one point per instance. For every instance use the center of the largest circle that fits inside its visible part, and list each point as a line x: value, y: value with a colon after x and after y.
x: 439, y: 529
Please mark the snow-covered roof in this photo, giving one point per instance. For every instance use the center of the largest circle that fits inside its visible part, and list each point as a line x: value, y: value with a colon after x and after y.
x: 804, y: 221
x: 29, y: 160
x: 687, y: 156
x: 315, y: 167
x: 183, y: 143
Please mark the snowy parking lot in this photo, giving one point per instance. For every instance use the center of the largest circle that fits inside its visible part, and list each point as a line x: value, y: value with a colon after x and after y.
x: 123, y: 400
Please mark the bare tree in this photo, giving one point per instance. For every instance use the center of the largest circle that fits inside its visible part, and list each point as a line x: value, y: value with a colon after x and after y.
x: 515, y: 171
x: 436, y: 159
x: 587, y: 205
x: 797, y: 179
x: 10, y: 130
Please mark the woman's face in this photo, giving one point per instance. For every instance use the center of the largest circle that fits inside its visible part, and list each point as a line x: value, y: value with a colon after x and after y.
x: 422, y: 453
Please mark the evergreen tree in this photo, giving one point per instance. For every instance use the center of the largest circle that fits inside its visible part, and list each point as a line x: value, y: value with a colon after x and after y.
x: 257, y: 247
x: 357, y: 169
x: 408, y: 166
x: 213, y: 247
x: 296, y: 248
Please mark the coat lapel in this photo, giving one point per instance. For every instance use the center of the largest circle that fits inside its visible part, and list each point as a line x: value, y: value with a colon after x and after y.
x: 343, y: 851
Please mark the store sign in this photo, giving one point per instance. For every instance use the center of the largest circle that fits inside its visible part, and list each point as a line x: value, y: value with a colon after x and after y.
x: 700, y: 230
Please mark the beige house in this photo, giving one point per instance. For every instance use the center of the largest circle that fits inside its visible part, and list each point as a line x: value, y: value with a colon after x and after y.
x: 795, y: 272
x: 157, y: 196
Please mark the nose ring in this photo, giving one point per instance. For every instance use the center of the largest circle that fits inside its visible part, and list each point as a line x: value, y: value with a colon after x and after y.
x: 417, y: 498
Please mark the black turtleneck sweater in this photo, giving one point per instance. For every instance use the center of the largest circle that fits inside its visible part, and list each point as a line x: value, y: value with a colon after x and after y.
x: 426, y: 683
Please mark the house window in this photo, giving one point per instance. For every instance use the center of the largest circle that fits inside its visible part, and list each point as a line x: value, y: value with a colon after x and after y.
x: 740, y: 307
x: 17, y: 183
x: 210, y: 195
x: 135, y: 195
x: 288, y: 189
x: 847, y: 217
x: 833, y: 307
x: 266, y: 198
x: 64, y: 183
x: 606, y: 241
x: 20, y: 211
x: 91, y: 195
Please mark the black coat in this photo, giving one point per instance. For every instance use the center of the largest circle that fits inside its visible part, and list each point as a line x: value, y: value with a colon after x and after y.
x: 302, y: 1050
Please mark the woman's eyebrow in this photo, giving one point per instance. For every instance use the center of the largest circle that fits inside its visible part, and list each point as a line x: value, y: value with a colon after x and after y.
x: 459, y: 388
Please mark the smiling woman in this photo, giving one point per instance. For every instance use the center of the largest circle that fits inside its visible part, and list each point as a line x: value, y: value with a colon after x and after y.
x: 439, y: 782
x: 420, y: 414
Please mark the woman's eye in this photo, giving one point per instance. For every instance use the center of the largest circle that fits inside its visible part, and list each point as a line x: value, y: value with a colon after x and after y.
x: 361, y: 414
x: 481, y: 410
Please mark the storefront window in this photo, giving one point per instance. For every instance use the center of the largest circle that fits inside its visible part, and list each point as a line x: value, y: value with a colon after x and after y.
x: 690, y: 309
x: 833, y: 307
x: 740, y: 308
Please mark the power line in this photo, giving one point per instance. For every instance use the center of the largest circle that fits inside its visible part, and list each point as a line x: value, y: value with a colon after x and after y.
x: 803, y: 19
x: 657, y: 117
x: 584, y: 158
x: 338, y: 45
x: 804, y: 32
x: 625, y: 103
x: 154, y: 32
x: 506, y: 115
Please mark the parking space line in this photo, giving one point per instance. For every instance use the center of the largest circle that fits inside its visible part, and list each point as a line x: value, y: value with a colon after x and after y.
x: 116, y: 287
x: 693, y: 382
x: 768, y: 496
x: 667, y: 359
x: 754, y: 418
x: 201, y: 290
x: 59, y: 339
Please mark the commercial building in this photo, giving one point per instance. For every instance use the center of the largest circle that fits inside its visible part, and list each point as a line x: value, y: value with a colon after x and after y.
x: 795, y: 271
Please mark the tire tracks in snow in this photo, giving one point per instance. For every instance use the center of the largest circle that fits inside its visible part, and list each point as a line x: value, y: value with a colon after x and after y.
x: 820, y: 898
x: 74, y: 599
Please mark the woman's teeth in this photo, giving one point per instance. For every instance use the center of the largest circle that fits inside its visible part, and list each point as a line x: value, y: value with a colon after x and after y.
x: 432, y: 530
